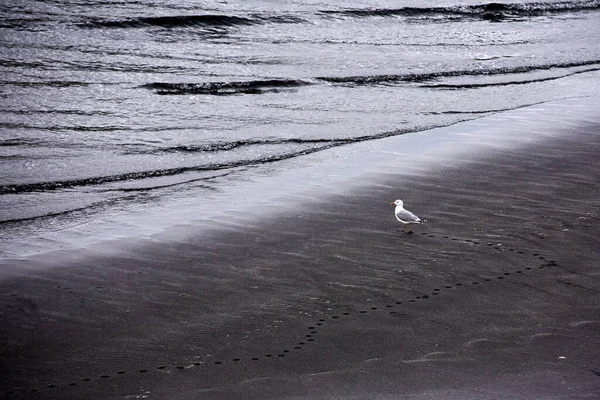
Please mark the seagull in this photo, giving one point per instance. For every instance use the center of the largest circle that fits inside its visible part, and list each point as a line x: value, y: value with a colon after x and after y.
x: 405, y: 216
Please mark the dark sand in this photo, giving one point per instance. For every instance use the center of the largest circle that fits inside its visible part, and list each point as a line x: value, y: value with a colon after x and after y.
x: 496, y: 297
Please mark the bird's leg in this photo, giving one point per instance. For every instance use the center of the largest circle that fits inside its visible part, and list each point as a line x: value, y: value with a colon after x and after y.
x: 409, y: 230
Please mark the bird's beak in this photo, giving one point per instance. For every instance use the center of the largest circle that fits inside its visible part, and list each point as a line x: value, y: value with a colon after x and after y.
x: 392, y: 203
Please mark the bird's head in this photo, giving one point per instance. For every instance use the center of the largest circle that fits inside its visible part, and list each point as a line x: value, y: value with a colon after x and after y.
x: 398, y: 203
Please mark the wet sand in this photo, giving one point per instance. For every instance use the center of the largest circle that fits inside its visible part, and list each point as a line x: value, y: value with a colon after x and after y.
x: 497, y: 296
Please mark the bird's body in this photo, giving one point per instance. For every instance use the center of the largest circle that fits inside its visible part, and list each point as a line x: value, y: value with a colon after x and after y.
x: 404, y: 216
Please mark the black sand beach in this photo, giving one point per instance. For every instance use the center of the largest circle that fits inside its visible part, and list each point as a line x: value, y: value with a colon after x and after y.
x: 495, y: 297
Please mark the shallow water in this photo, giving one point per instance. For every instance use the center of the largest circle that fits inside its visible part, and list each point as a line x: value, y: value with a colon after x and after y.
x: 113, y: 109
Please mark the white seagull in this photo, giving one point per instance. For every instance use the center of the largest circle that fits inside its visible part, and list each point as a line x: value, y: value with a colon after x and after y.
x: 405, y: 216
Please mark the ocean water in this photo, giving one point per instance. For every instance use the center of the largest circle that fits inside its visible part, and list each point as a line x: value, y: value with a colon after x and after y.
x: 114, y: 109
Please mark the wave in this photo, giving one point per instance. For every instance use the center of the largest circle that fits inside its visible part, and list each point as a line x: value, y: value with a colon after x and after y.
x: 16, y: 142
x: 183, y: 21
x: 488, y: 11
x: 225, y: 88
x: 48, y: 215
x: 59, y: 84
x: 105, y: 203
x: 428, y: 76
x: 322, y: 144
x: 23, y: 23
x: 507, y: 83
x: 242, y: 143
x: 131, y: 176
x: 276, y: 85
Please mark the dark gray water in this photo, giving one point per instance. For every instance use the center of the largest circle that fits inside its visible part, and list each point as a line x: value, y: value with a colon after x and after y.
x: 110, y: 108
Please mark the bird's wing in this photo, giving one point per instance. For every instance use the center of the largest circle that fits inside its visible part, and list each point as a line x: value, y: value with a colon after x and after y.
x: 407, y: 216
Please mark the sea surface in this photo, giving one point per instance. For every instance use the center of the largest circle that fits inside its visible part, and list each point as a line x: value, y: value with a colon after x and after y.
x: 110, y: 109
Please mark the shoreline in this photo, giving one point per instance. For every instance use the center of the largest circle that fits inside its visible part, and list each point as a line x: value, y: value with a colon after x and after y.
x: 262, y: 287
x: 267, y: 192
